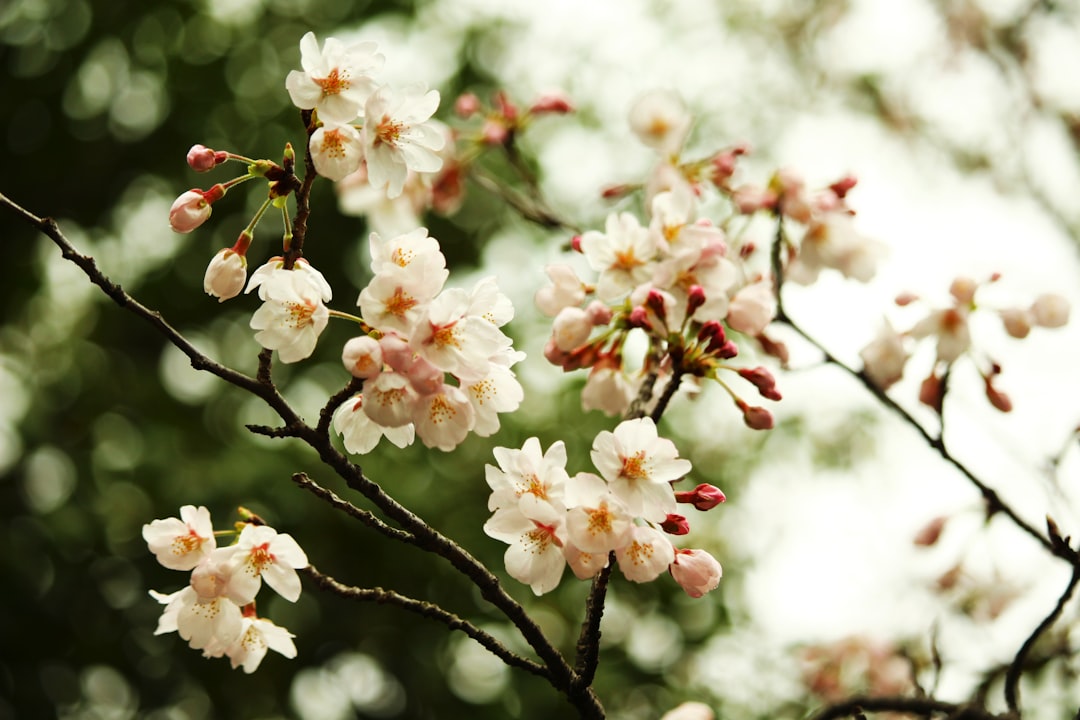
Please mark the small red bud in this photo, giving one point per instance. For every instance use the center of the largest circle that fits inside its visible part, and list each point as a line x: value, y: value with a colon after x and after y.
x: 763, y: 380
x: 675, y: 525
x: 201, y: 158
x: 997, y: 398
x: 932, y: 392
x: 703, y: 497
x: 575, y: 243
x: 843, y: 186
x: 906, y: 298
x: 930, y: 532
x: 639, y: 318
x: 747, y: 250
x: 695, y: 299
x: 553, y: 102
x: 710, y: 330
x: 655, y: 302
x: 466, y: 105
x: 756, y: 418
x: 614, y: 191
x: 505, y: 108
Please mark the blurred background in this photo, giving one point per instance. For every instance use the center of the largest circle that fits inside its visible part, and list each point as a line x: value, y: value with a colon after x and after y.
x: 961, y: 119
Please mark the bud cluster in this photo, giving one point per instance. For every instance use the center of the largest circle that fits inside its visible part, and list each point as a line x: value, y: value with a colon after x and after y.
x: 949, y: 327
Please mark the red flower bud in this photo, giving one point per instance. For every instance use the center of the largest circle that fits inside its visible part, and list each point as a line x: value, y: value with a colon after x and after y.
x: 675, y: 525
x: 695, y: 299
x: 703, y: 497
x: 932, y: 392
x: 756, y: 418
x: 762, y: 380
x: 466, y: 105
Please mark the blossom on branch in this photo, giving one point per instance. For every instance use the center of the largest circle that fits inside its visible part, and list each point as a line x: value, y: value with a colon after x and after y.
x: 398, y: 136
x: 336, y: 79
x: 292, y: 315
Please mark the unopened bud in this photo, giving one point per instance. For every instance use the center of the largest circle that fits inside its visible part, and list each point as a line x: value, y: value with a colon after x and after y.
x: 613, y: 192
x: 932, y: 392
x: 997, y: 398
x: 494, y: 132
x: 655, y: 302
x: 466, y: 105
x: 504, y: 107
x: 1050, y: 310
x: 756, y: 418
x: 695, y: 298
x: 905, y: 298
x: 747, y: 250
x: 963, y: 289
x: 575, y: 243
x: 930, y: 533
x: 843, y: 186
x: 639, y: 318
x: 711, y: 330
x: 552, y: 102
x: 763, y: 380
x: 703, y: 497
x: 675, y: 525
x: 1017, y: 322
x: 201, y: 158
x: 598, y: 313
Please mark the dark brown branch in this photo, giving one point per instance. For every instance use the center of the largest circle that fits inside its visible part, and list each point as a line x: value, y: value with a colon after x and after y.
x: 1012, y: 676
x: 914, y: 706
x: 326, y: 415
x: 367, y: 518
x: 588, y: 645
x: 428, y: 610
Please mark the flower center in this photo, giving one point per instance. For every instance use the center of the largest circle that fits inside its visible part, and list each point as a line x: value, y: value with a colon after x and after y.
x: 184, y: 544
x: 334, y: 83
x: 300, y: 313
x: 261, y: 557
x: 388, y: 131
x: 635, y: 467
x: 333, y: 144
x: 400, y: 303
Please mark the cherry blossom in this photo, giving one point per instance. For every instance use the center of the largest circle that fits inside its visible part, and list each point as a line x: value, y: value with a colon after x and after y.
x: 623, y: 255
x: 640, y: 465
x: 208, y: 624
x: 192, y: 208
x: 884, y: 358
x: 398, y: 137
x: 648, y: 554
x: 361, y: 434
x: 527, y: 471
x: 362, y: 357
x: 566, y: 290
x: 533, y: 529
x: 497, y: 392
x: 292, y: 315
x: 257, y: 635
x: 443, y: 419
x: 660, y: 120
x: 752, y: 308
x: 262, y: 553
x: 337, y: 150
x: 336, y: 79
x: 181, y: 543
x: 301, y: 267
x: 597, y: 521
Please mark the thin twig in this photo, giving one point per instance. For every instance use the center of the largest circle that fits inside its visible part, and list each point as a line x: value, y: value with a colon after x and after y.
x: 303, y: 481
x: 428, y: 610
x: 915, y: 706
x: 1012, y: 676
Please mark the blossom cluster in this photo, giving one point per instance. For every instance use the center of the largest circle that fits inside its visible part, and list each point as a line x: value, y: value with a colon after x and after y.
x: 551, y: 520
x: 358, y: 121
x: 215, y: 612
x: 949, y: 327
x: 418, y: 337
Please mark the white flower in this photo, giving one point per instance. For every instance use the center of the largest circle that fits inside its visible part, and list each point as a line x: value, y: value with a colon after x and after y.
x: 210, y: 624
x: 360, y: 433
x: 397, y: 297
x: 646, y: 556
x: 527, y: 471
x: 301, y: 266
x: 256, y: 636
x: 607, y: 389
x: 415, y: 248
x: 443, y: 419
x: 566, y: 290
x: 1050, y: 310
x: 532, y: 529
x: 752, y: 308
x: 623, y: 255
x: 398, y: 136
x: 262, y: 553
x: 497, y: 392
x: 362, y: 356
x: 454, y: 341
x: 335, y: 80
x: 660, y: 120
x: 291, y: 317
x: 225, y: 275
x: 831, y: 241
x: 337, y: 150
x: 950, y: 326
x: 640, y: 467
x: 597, y: 521
x: 690, y: 711
x: 181, y: 544
x: 884, y: 358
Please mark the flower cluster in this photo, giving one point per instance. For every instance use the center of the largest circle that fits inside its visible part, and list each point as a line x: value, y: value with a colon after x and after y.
x: 550, y: 519
x: 215, y: 613
x: 885, y: 358
x: 358, y: 121
x: 418, y: 336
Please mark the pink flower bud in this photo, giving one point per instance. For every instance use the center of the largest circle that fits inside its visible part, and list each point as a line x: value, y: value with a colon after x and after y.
x: 189, y: 211
x: 749, y: 199
x: 756, y: 418
x: 696, y: 571
x: 932, y: 392
x: 466, y: 105
x: 905, y: 298
x: 201, y: 158
x: 362, y: 357
x: 614, y: 191
x: 505, y: 107
x: 571, y: 328
x: 1050, y: 311
x: 930, y: 533
x: 575, y: 243
x: 552, y: 102
x: 963, y: 289
x: 703, y: 497
x: 712, y: 330
x: 599, y: 313
x: 675, y: 525
x: 655, y: 302
x: 774, y: 348
x: 997, y: 398
x: 494, y: 132
x: 695, y: 298
x: 1017, y: 322
x: 396, y: 352
x: 843, y: 186
x: 639, y: 318
x: 226, y: 274
x: 763, y: 380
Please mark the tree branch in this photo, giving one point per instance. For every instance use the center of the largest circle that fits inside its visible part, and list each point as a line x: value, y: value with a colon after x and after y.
x: 328, y: 496
x: 428, y: 610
